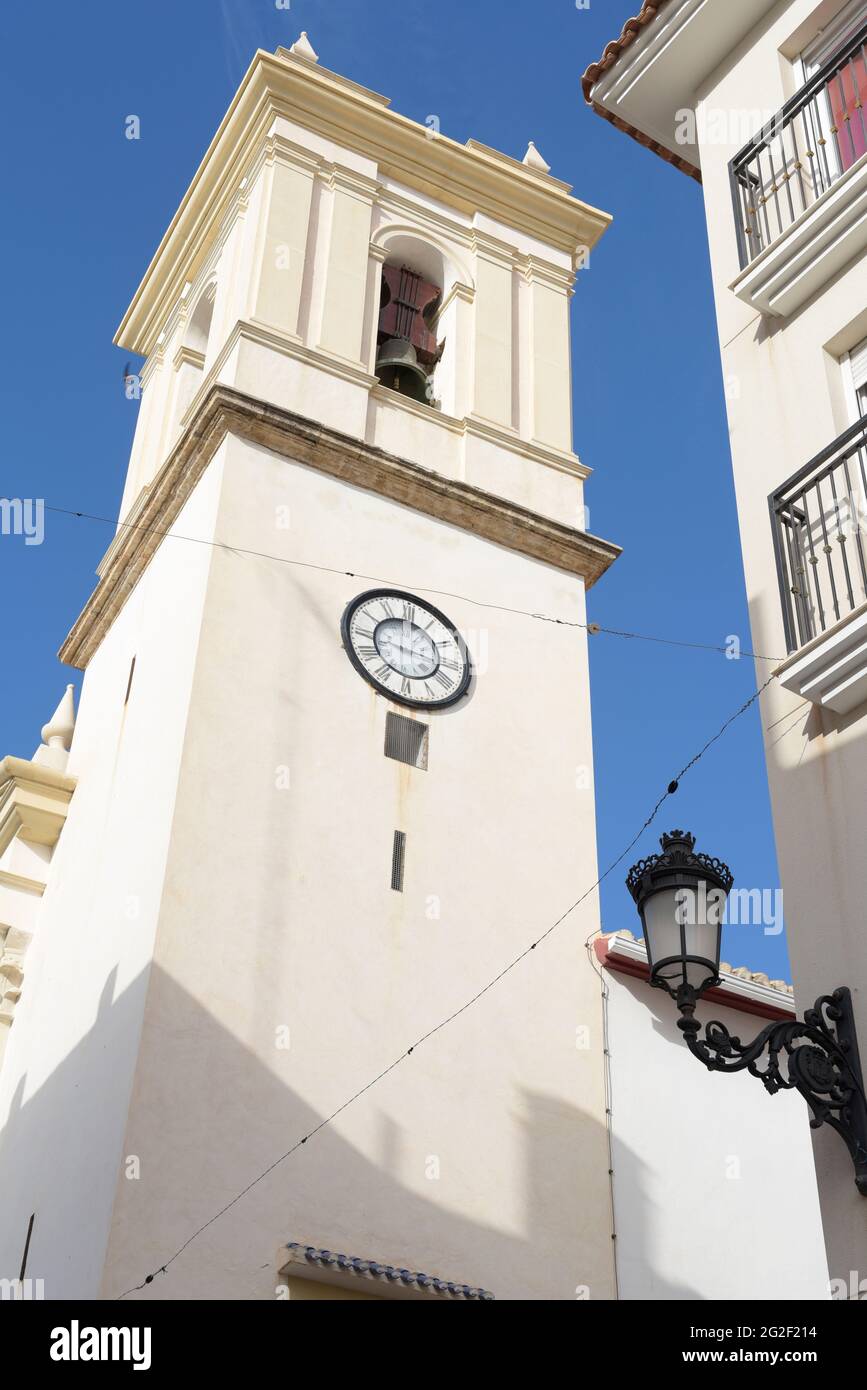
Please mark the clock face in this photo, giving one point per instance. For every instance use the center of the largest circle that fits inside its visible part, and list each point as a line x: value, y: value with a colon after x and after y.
x: 408, y: 650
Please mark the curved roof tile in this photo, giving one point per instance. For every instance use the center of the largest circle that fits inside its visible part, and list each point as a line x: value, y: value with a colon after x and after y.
x: 611, y: 52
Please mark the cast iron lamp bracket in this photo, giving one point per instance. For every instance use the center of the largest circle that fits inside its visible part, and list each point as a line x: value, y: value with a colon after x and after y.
x: 816, y: 1055
x: 821, y: 1061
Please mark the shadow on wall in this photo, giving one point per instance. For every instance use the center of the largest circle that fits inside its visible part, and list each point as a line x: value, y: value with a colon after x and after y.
x: 195, y: 1142
x: 726, y: 1169
x: 817, y: 767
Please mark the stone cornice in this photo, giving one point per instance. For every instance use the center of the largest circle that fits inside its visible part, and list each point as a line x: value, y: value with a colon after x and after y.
x: 492, y: 248
x: 268, y: 336
x: 188, y: 355
x: 458, y: 291
x: 224, y: 411
x: 540, y: 272
x: 21, y: 883
x: 468, y: 177
x: 131, y: 520
x: 280, y: 150
x: 502, y: 435
x: 151, y: 366
x: 544, y: 454
x: 34, y: 800
x: 13, y: 949
x: 420, y: 409
x: 337, y: 176
x: 44, y: 776
x: 345, y: 82
x: 517, y: 164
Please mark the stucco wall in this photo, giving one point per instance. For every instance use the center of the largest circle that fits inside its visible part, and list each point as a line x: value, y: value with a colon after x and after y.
x: 714, y: 1185
x: 785, y: 404
x: 278, y: 912
x: 66, y: 1076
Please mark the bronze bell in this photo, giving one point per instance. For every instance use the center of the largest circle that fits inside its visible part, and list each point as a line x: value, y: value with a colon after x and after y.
x: 397, y: 367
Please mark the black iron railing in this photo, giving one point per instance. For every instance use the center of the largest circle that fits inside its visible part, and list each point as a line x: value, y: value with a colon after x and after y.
x: 819, y: 521
x: 805, y: 148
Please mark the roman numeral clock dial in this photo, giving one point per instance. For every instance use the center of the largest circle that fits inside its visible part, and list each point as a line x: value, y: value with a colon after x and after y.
x: 406, y: 649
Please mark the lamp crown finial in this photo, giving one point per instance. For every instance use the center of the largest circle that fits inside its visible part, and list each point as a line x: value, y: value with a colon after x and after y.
x: 677, y: 837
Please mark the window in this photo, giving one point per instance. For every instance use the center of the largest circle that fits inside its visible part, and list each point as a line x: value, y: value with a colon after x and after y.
x: 841, y: 103
x: 854, y: 366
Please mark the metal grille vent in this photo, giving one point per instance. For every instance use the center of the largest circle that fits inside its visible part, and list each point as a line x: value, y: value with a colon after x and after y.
x: 406, y: 740
x: 398, y: 855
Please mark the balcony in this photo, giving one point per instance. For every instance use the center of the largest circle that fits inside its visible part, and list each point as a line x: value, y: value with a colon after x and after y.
x: 819, y: 524
x: 799, y: 188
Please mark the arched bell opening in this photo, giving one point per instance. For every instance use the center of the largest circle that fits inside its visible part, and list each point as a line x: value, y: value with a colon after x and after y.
x: 190, y: 361
x: 199, y: 327
x: 407, y: 348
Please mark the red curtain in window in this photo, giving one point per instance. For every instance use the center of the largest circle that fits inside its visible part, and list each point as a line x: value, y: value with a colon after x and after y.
x: 847, y: 92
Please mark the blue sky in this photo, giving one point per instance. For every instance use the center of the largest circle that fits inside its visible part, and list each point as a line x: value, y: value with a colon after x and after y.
x: 86, y: 208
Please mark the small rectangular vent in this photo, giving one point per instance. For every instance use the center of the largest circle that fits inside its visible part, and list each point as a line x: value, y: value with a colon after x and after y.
x: 406, y: 740
x: 398, y: 855
x: 129, y: 682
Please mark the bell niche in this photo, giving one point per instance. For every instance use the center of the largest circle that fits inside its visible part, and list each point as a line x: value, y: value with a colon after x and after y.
x: 407, y: 348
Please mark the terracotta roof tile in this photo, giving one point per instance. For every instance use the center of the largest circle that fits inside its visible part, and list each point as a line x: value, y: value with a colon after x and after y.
x: 612, y: 51
x: 741, y: 972
x: 371, y: 1270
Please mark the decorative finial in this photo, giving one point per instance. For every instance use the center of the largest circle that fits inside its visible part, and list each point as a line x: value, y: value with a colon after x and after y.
x: 677, y: 837
x: 534, y: 160
x: 303, y: 48
x: 57, y: 733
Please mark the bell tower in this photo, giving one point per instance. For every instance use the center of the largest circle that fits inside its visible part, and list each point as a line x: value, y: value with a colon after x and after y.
x: 331, y: 774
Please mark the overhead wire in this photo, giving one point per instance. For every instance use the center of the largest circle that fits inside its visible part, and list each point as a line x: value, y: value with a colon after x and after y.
x: 592, y: 628
x: 404, y: 1056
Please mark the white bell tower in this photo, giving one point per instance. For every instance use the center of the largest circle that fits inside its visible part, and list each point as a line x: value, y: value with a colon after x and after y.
x: 330, y: 774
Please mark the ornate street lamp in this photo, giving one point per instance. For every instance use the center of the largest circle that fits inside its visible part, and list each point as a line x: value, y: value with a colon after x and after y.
x: 681, y: 896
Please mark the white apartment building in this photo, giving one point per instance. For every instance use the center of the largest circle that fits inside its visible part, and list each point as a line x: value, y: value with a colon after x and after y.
x: 762, y: 102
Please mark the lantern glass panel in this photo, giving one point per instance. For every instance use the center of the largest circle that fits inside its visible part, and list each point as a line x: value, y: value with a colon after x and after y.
x: 661, y: 926
x: 702, y: 932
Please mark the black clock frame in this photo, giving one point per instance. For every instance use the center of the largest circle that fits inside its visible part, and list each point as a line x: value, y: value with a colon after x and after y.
x: 346, y: 636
